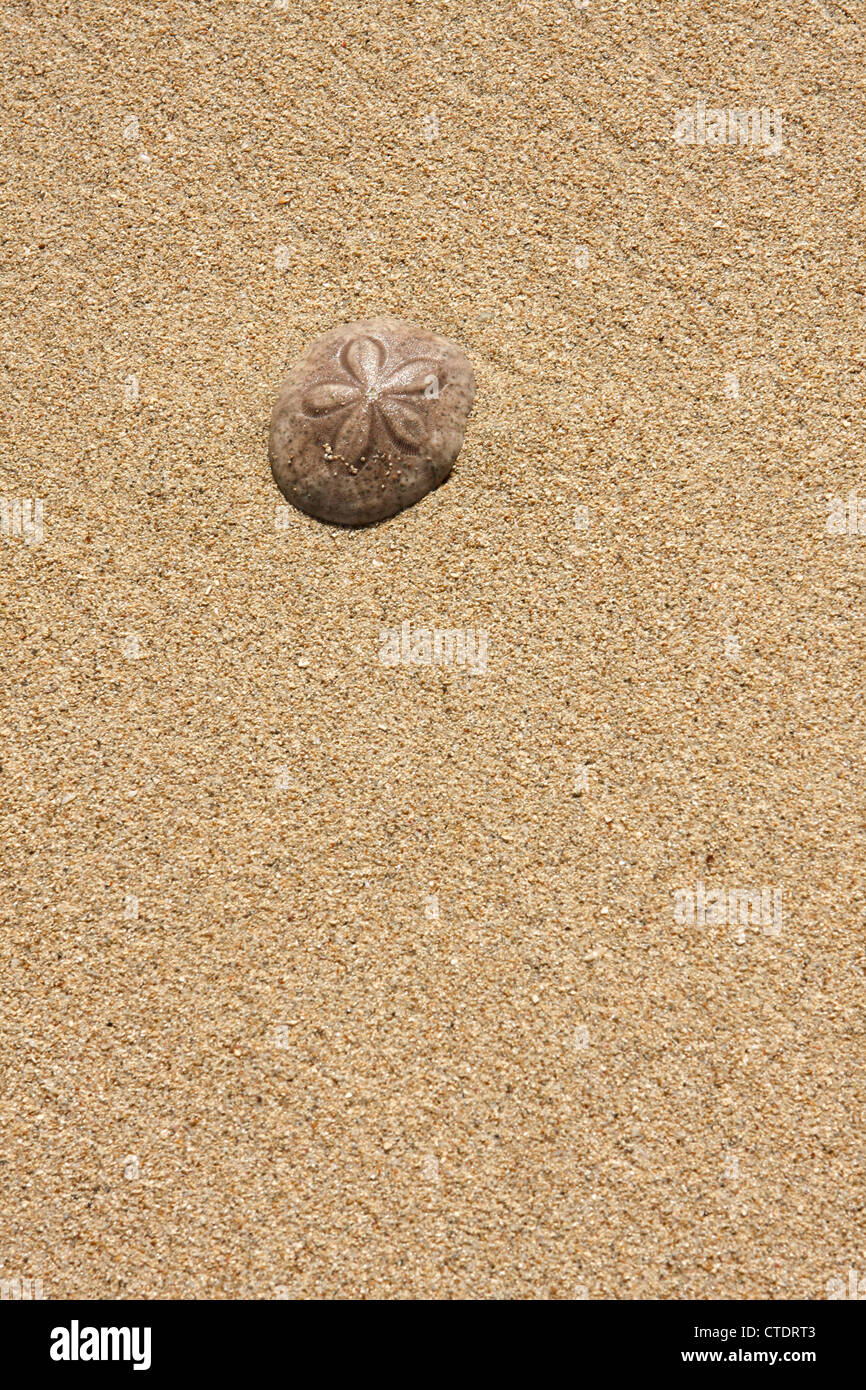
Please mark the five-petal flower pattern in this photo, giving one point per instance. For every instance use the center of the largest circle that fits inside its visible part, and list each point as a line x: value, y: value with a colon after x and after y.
x: 376, y: 405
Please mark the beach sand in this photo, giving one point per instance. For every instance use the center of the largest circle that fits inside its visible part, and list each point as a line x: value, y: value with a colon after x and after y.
x: 326, y: 977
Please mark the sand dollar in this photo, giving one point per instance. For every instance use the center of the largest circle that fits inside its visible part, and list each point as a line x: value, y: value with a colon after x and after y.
x: 371, y: 418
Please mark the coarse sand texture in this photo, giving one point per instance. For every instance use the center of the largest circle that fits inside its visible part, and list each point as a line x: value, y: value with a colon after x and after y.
x: 469, y: 904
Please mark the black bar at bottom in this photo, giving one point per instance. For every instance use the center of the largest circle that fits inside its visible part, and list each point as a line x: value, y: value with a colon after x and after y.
x: 167, y: 1341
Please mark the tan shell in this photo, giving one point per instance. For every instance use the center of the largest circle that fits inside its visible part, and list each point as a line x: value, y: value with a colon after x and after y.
x: 370, y: 419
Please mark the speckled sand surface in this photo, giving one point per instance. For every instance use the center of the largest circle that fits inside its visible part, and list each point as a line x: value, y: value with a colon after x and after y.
x: 287, y: 1076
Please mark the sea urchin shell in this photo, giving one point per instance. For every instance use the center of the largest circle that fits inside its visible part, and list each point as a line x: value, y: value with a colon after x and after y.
x: 370, y: 419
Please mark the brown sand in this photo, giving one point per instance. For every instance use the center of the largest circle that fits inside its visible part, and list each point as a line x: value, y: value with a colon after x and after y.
x: 287, y: 1076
